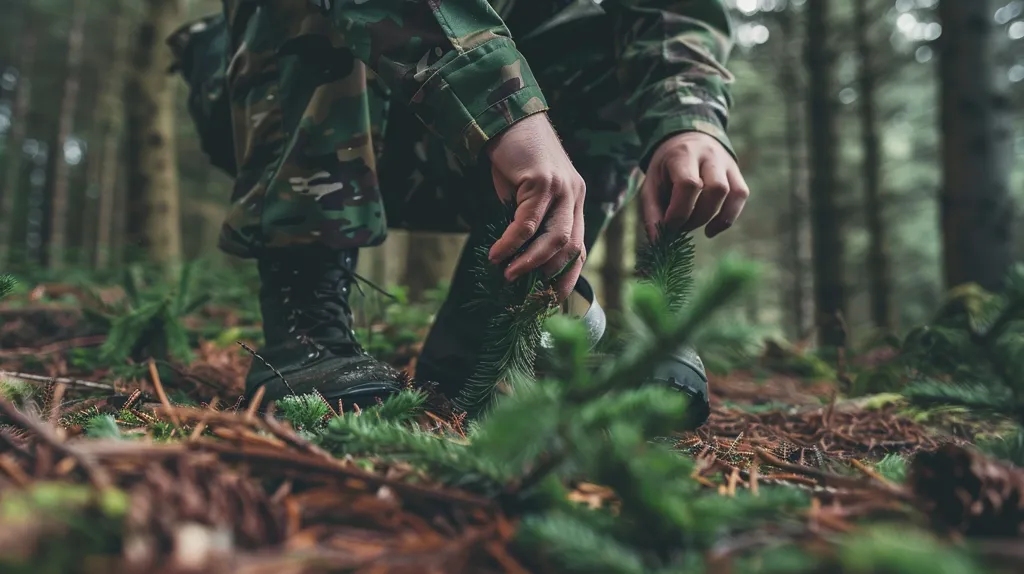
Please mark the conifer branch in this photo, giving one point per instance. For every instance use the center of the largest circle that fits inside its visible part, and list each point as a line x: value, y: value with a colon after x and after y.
x: 667, y: 263
x: 517, y: 309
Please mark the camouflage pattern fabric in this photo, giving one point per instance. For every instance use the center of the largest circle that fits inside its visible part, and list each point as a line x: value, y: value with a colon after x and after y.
x: 352, y: 116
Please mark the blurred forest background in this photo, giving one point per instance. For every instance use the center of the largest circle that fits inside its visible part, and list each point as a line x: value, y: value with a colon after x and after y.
x: 882, y: 141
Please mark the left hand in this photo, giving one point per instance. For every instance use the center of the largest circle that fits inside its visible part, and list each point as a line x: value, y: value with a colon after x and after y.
x: 692, y: 181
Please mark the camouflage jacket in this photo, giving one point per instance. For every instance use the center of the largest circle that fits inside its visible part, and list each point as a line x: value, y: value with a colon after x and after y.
x: 306, y: 83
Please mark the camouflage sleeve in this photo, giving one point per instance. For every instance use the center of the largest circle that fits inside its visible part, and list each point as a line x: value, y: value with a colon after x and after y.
x: 452, y: 61
x: 673, y: 61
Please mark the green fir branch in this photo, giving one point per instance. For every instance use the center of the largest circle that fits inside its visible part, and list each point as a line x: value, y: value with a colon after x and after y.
x: 667, y: 263
x: 517, y: 309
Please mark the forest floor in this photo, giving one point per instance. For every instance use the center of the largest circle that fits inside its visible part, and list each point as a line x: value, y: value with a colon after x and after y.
x: 209, y: 485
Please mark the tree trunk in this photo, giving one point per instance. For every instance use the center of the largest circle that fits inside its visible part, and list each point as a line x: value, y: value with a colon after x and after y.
x: 879, y: 280
x: 154, y: 220
x: 826, y: 221
x: 431, y: 260
x: 68, y: 106
x: 9, y: 194
x: 613, y: 270
x: 976, y: 207
x: 112, y: 128
x: 793, y: 229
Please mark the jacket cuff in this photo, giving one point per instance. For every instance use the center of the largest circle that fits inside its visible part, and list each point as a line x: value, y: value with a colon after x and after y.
x: 478, y: 94
x: 699, y: 118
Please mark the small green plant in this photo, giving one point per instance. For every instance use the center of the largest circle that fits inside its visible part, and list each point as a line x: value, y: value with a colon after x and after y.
x: 893, y: 467
x: 149, y: 324
x: 102, y: 426
x: 306, y: 412
x: 970, y: 357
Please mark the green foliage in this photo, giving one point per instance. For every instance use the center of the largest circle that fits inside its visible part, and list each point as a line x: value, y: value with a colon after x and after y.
x: 517, y: 310
x: 728, y: 346
x: 63, y: 522
x: 970, y: 356
x: 591, y: 425
x: 102, y: 426
x: 893, y: 467
x: 149, y: 323
x: 17, y: 391
x: 306, y: 412
x: 7, y: 284
x: 891, y: 549
x: 667, y: 263
x: 1008, y: 447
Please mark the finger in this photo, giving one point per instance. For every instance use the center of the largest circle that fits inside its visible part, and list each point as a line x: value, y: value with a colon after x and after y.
x: 554, y: 237
x: 567, y: 282
x: 528, y: 217
x: 732, y: 207
x: 650, y: 205
x: 712, y: 196
x: 560, y: 261
x: 684, y: 172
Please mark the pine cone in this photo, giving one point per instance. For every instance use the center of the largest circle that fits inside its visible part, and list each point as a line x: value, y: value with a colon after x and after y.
x: 964, y: 491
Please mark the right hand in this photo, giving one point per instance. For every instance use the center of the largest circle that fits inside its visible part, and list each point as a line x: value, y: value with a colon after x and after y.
x: 530, y: 166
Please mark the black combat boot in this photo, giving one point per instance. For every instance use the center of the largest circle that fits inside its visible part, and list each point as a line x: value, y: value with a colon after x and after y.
x: 307, y: 328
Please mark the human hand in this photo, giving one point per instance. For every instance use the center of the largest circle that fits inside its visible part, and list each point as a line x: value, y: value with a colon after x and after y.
x: 692, y: 181
x: 530, y: 166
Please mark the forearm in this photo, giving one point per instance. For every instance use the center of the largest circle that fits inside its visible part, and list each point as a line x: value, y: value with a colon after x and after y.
x: 453, y: 62
x: 673, y: 57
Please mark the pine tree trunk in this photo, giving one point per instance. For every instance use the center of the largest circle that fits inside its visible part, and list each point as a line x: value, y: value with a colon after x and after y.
x: 431, y: 260
x: 878, y: 250
x: 112, y: 113
x: 976, y: 206
x: 154, y: 220
x: 826, y: 220
x: 69, y: 103
x: 613, y: 270
x: 11, y: 190
x: 792, y: 228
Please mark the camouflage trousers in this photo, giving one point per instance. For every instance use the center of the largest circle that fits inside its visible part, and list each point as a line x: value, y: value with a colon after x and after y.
x: 423, y: 187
